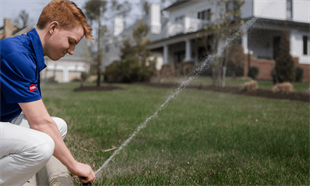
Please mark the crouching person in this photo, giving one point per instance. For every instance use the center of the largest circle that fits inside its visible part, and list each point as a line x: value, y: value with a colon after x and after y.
x: 29, y: 136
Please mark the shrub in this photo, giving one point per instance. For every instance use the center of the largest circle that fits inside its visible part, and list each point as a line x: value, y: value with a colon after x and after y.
x: 299, y: 73
x: 129, y: 71
x: 233, y: 71
x: 285, y: 87
x: 250, y: 86
x: 84, y: 76
x: 75, y: 79
x: 284, y: 68
x: 253, y: 72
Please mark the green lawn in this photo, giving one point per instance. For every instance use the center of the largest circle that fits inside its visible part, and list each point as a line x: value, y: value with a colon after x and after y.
x: 238, y: 82
x: 198, y: 138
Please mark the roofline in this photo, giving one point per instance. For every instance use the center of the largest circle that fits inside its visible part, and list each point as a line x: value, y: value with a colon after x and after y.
x: 23, y: 30
x: 176, y: 4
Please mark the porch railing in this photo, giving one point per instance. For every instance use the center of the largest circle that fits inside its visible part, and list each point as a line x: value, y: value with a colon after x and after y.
x: 186, y: 26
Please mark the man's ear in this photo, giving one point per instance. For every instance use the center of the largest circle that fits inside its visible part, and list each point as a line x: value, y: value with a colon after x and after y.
x: 52, y: 27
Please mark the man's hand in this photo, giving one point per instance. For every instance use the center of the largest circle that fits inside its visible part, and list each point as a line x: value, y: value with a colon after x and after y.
x: 84, y: 172
x: 40, y: 120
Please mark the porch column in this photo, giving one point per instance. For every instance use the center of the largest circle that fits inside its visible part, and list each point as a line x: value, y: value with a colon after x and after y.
x: 166, y: 54
x: 188, y: 52
x: 245, y: 43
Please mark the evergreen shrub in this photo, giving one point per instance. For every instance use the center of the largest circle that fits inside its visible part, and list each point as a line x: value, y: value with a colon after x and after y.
x: 299, y: 73
x: 128, y: 71
x: 284, y: 68
x: 253, y: 72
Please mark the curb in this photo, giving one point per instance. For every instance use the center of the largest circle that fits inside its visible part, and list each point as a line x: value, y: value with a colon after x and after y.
x: 54, y: 173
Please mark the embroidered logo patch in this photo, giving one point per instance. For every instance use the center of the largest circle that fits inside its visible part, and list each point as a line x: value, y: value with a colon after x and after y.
x: 32, y: 87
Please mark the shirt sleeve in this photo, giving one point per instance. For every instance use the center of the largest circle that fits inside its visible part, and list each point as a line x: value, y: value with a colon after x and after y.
x: 19, y: 81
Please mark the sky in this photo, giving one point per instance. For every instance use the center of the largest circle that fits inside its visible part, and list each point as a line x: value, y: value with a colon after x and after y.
x: 9, y: 9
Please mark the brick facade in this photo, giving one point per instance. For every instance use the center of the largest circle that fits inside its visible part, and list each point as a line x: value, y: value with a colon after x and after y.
x: 265, y: 66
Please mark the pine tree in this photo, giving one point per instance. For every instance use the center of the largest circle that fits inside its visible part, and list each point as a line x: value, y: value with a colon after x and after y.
x: 284, y: 68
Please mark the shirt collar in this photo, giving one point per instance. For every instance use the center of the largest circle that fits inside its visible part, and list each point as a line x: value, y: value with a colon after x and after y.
x: 37, y: 47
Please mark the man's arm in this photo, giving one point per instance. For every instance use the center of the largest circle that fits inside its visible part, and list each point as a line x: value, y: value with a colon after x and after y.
x: 39, y: 119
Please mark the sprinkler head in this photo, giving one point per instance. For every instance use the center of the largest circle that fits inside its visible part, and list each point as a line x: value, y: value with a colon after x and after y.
x: 87, y: 184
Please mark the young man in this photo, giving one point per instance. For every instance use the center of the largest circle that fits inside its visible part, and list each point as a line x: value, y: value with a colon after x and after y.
x: 29, y: 136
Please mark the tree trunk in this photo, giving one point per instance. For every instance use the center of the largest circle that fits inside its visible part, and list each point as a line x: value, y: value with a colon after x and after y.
x: 224, y: 68
x: 99, y: 49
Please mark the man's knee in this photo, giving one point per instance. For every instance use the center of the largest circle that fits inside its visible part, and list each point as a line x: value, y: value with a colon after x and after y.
x: 45, y: 150
x: 62, y: 126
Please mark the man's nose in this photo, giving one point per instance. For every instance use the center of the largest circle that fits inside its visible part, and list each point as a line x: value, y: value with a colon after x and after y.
x: 71, y: 50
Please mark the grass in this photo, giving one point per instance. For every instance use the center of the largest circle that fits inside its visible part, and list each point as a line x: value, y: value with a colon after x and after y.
x: 239, y: 82
x: 198, y: 138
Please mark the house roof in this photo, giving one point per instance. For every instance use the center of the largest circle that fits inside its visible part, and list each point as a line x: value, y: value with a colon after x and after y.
x: 22, y: 30
x: 177, y: 3
x: 288, y: 23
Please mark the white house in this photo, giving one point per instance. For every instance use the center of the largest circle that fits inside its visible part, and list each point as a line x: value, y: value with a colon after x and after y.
x: 174, y: 39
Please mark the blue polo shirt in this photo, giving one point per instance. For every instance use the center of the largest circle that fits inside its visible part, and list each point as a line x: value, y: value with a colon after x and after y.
x: 22, y: 59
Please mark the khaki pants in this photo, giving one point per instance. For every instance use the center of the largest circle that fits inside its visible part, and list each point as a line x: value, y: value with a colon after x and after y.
x: 24, y: 151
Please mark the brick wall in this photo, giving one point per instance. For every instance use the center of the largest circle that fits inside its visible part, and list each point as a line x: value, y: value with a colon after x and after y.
x: 265, y: 66
x: 306, y: 67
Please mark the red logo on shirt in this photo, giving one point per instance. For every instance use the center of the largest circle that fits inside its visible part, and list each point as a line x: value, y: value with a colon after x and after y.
x: 32, y: 87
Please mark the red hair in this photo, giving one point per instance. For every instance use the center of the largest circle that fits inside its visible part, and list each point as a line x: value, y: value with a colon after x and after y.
x: 67, y: 14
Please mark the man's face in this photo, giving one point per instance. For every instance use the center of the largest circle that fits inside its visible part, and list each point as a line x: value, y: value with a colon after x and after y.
x: 63, y: 41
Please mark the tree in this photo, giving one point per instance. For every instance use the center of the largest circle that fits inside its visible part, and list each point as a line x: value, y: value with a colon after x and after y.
x: 145, y: 7
x: 226, y: 22
x: 120, y: 8
x: 141, y: 43
x: 24, y: 16
x: 134, y: 65
x: 98, y: 11
x: 235, y: 57
x: 284, y: 68
x: 94, y: 11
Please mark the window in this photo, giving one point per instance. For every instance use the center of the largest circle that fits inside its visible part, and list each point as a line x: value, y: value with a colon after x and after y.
x: 305, y: 45
x: 204, y: 15
x: 289, y: 9
x: 107, y: 48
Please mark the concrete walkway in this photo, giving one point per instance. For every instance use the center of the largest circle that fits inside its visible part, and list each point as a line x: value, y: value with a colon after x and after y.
x: 54, y: 173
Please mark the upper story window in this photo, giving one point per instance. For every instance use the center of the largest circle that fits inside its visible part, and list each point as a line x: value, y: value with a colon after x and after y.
x: 305, y: 45
x: 107, y: 48
x: 289, y: 9
x: 204, y: 15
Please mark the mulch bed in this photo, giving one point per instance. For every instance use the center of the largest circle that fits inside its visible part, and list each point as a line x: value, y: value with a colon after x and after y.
x: 295, y: 96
